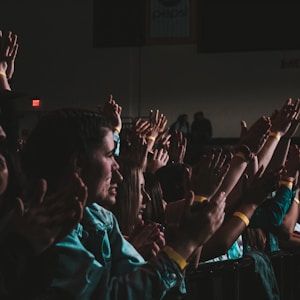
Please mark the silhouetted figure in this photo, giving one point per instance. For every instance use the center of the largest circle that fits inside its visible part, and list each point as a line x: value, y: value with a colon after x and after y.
x: 181, y: 124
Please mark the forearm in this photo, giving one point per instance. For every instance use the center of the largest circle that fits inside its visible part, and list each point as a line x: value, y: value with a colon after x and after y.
x: 229, y: 232
x: 3, y: 81
x: 279, y: 155
x: 237, y: 168
x: 265, y: 154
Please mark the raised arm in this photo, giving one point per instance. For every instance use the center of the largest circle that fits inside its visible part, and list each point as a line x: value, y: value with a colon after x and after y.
x: 235, y: 224
x: 250, y: 143
x: 281, y: 122
x: 8, y: 53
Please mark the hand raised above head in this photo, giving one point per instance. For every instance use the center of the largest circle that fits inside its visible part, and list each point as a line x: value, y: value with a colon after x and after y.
x: 177, y: 148
x: 8, y: 52
x: 255, y: 137
x: 159, y: 159
x: 282, y: 119
x: 209, y: 173
x: 112, y: 111
x: 261, y: 186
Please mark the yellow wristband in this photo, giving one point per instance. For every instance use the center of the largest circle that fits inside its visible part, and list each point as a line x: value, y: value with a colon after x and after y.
x: 274, y: 134
x: 199, y: 198
x: 117, y: 129
x: 180, y: 261
x: 150, y: 138
x: 2, y: 73
x: 242, y: 216
x: 296, y: 200
x: 241, y: 155
x: 286, y: 183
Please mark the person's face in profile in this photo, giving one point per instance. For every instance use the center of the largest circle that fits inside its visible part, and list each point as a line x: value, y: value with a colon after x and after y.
x: 98, y: 171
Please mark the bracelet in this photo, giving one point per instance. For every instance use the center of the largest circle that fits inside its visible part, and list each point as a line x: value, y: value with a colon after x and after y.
x: 2, y: 73
x: 245, y: 152
x: 199, y: 198
x: 296, y: 200
x: 241, y: 155
x: 150, y: 138
x: 286, y: 183
x: 180, y: 261
x: 275, y: 134
x: 242, y: 216
x: 117, y: 129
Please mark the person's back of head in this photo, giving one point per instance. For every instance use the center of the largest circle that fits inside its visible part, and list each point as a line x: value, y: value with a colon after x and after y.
x: 199, y: 115
x: 171, y: 178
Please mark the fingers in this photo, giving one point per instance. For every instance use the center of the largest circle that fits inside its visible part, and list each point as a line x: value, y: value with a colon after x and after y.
x: 219, y: 198
x: 19, y: 207
x: 39, y: 193
x: 243, y: 128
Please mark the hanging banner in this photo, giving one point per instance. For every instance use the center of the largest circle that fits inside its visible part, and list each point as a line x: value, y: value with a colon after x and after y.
x: 170, y: 21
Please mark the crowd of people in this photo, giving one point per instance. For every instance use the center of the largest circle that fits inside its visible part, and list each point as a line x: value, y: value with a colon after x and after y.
x: 90, y: 210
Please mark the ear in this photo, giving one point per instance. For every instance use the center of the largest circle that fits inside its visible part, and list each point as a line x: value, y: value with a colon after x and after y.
x: 76, y: 163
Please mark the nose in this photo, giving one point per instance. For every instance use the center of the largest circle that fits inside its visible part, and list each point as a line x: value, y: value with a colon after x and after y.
x: 116, y: 176
x: 115, y: 165
x: 146, y: 196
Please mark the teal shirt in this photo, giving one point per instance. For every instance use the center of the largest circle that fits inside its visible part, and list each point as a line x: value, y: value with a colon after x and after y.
x: 96, y: 262
x: 271, y: 213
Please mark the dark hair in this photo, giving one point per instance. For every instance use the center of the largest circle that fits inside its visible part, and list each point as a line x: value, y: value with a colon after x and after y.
x: 59, y: 135
x: 171, y: 178
x: 154, y: 209
x: 14, y: 185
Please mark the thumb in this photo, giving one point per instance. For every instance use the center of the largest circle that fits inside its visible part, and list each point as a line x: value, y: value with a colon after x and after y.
x: 189, y: 198
x: 39, y: 193
x: 243, y: 128
x: 19, y: 208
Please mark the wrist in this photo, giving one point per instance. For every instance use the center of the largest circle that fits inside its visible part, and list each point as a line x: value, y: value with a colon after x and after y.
x: 275, y: 134
x: 200, y: 198
x: 289, y: 183
x: 185, y: 248
x: 2, y: 73
x: 117, y: 129
x: 175, y: 256
x: 244, y: 152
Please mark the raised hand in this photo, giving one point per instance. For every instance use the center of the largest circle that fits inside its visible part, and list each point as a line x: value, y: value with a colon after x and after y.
x: 50, y: 218
x: 261, y: 186
x: 158, y: 122
x: 209, y: 173
x: 112, y: 111
x: 138, y: 151
x: 282, y: 119
x: 190, y: 225
x: 294, y: 123
x: 292, y: 164
x: 8, y: 52
x: 159, y: 159
x: 255, y: 137
x: 177, y: 148
x: 142, y: 127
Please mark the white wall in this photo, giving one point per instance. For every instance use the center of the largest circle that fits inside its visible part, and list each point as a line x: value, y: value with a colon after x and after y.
x: 58, y: 63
